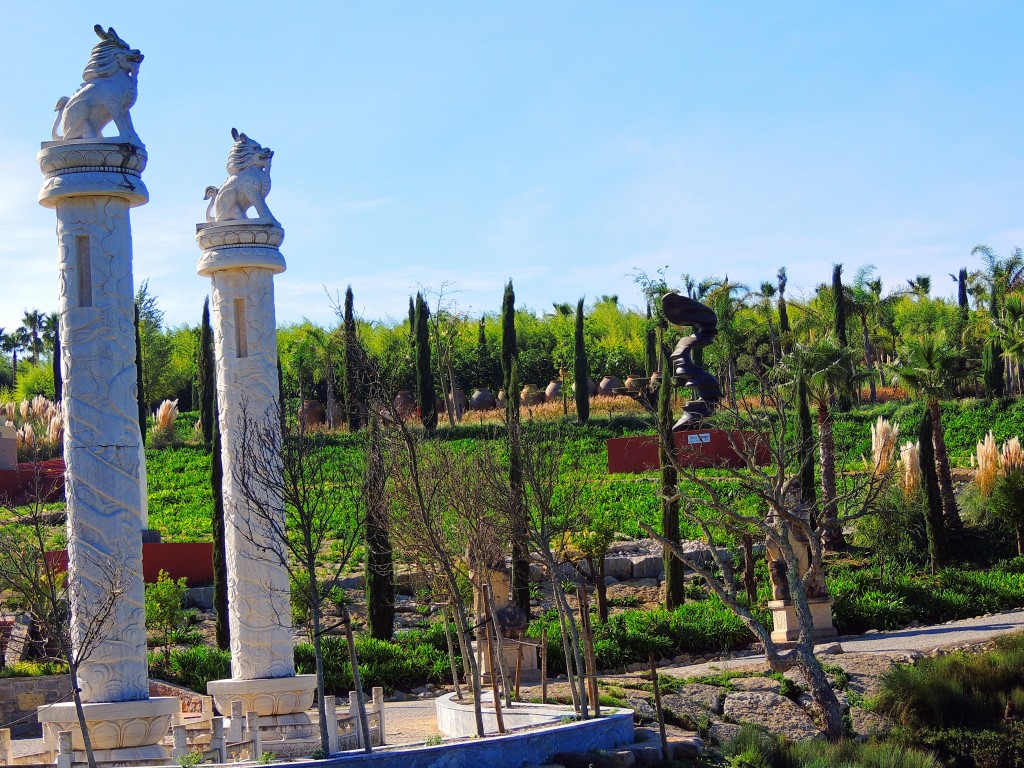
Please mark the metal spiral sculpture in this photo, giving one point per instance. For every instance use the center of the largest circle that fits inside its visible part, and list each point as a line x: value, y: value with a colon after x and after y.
x: 681, y: 310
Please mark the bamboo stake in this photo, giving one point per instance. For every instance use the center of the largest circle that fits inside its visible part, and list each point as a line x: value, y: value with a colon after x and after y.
x: 544, y: 665
x: 488, y: 623
x: 519, y: 665
x: 590, y: 659
x: 451, y: 652
x: 364, y: 724
x: 658, y: 709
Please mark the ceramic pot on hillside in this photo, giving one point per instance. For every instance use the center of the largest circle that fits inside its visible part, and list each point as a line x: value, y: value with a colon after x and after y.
x: 405, y: 404
x: 608, y: 386
x: 530, y: 395
x: 461, y: 404
x: 312, y: 414
x: 635, y: 384
x: 501, y: 398
x: 591, y: 387
x: 553, y: 391
x: 482, y: 400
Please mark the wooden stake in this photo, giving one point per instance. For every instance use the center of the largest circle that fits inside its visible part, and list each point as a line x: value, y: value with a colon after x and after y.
x: 544, y: 665
x: 364, y: 724
x: 451, y: 652
x: 589, y: 659
x: 519, y: 665
x: 488, y: 624
x: 658, y: 709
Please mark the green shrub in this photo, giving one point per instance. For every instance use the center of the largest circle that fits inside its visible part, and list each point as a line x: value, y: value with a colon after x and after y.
x: 192, y: 668
x: 33, y: 669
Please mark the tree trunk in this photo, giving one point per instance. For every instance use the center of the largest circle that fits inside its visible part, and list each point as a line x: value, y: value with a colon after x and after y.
x: 833, y: 536
x: 949, y: 511
x: 869, y: 358
x: 1020, y: 538
x: 749, y: 582
x: 566, y: 645
x: 325, y: 744
x: 821, y: 693
x: 80, y: 710
x: 602, y: 591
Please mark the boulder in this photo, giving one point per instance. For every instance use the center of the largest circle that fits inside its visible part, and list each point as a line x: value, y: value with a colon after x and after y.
x: 775, y: 713
x: 648, y: 566
x: 620, y: 568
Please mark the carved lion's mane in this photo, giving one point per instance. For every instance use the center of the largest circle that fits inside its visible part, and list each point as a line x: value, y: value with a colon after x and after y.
x: 103, y: 60
x: 243, y: 155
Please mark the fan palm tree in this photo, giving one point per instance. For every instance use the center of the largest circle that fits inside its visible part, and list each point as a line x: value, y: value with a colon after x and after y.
x: 13, y: 343
x: 928, y: 367
x: 867, y: 303
x: 33, y: 322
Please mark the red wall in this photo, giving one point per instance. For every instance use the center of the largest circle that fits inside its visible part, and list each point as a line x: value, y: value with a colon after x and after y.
x: 193, y: 560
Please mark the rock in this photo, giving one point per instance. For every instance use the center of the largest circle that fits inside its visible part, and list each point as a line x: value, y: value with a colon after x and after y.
x: 757, y: 684
x: 609, y: 580
x: 620, y: 758
x: 646, y: 583
x: 866, y: 724
x: 647, y: 566
x: 643, y: 712
x: 352, y: 582
x: 647, y: 754
x: 828, y: 649
x: 775, y: 713
x: 720, y: 732
x: 620, y: 568
x: 636, y: 667
x: 420, y: 690
x: 688, y: 749
x: 695, y: 700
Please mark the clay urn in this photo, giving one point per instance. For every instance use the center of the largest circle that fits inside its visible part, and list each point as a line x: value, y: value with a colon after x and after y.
x: 501, y: 398
x: 553, y: 391
x: 530, y: 395
x: 482, y: 400
x: 654, y: 382
x: 405, y: 404
x: 608, y: 386
x: 635, y: 383
x: 312, y: 413
x: 591, y: 386
x: 460, y: 400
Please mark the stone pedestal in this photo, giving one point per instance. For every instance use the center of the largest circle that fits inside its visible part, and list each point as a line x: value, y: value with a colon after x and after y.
x: 8, y: 448
x: 123, y: 731
x: 269, y: 697
x: 787, y: 624
x: 92, y: 184
x: 241, y: 258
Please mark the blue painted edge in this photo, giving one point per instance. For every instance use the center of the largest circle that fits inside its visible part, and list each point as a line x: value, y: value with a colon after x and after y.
x: 513, y: 750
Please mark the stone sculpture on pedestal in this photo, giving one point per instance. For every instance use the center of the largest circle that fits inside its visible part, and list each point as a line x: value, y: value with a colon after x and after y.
x: 241, y: 257
x: 92, y: 182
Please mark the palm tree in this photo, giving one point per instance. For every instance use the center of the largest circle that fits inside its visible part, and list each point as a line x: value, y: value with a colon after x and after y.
x: 824, y: 369
x: 866, y: 301
x: 928, y: 367
x: 13, y: 343
x: 767, y: 293
x: 33, y: 322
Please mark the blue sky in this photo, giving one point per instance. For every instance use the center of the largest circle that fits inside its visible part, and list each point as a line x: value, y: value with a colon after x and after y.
x: 561, y: 144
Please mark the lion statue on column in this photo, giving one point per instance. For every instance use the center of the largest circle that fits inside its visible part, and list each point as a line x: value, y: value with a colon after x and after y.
x: 247, y: 185
x: 110, y: 89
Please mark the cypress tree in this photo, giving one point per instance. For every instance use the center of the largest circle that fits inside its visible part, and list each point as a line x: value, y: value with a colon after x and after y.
x: 784, y: 329
x: 580, y: 369
x: 934, y: 522
x: 961, y: 290
x: 220, y: 569
x: 675, y: 584
x: 280, y: 395
x: 510, y: 374
x: 650, y: 346
x: 138, y: 376
x: 482, y: 368
x: 353, y: 369
x: 839, y: 299
x: 425, y: 391
x: 380, y: 582
x: 206, y: 376
x: 58, y: 380
x: 412, y: 325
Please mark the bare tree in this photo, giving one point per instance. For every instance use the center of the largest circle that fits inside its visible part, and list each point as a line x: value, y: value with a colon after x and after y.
x: 437, y: 525
x: 788, y: 529
x: 323, y: 518
x: 444, y: 327
x: 35, y: 584
x: 553, y: 513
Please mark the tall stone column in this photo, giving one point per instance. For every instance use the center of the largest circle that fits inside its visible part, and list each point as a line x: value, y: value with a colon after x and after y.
x: 91, y: 183
x: 241, y: 257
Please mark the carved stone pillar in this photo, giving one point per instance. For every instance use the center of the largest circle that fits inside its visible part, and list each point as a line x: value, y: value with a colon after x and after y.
x: 92, y: 184
x: 241, y: 258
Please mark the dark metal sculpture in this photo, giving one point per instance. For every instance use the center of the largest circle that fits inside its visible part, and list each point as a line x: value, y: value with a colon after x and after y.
x: 680, y: 310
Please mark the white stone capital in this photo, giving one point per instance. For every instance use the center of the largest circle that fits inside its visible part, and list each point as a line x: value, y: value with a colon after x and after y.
x: 240, y: 244
x: 119, y: 725
x: 83, y: 167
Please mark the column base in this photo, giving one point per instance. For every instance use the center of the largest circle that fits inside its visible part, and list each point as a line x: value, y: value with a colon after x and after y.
x: 265, y: 696
x: 121, y: 726
x: 787, y: 624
